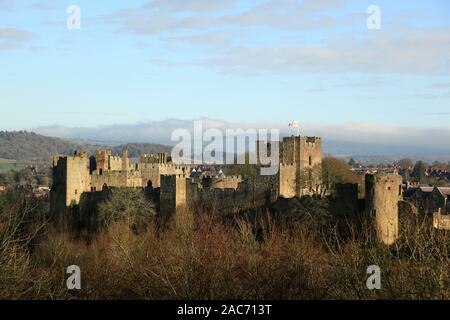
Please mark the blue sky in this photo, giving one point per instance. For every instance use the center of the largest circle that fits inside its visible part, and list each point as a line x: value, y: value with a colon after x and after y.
x: 237, y: 61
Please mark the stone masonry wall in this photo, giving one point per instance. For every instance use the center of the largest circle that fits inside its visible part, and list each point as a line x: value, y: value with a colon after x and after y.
x: 383, y: 193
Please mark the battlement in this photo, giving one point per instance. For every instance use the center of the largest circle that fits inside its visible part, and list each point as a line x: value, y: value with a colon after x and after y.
x: 161, y: 158
x: 82, y: 154
x: 154, y: 165
x: 311, y: 141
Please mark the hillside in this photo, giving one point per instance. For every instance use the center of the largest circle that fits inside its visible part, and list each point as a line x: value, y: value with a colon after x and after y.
x: 26, y: 146
x: 29, y: 146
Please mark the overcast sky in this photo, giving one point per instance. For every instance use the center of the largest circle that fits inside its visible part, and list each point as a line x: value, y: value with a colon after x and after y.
x: 237, y: 61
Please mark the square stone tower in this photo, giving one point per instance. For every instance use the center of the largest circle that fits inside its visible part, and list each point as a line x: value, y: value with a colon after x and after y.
x: 71, y: 178
x: 300, y: 165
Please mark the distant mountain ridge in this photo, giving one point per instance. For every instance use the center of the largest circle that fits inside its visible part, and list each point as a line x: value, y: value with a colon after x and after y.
x: 362, y: 141
x: 28, y: 146
x: 32, y: 147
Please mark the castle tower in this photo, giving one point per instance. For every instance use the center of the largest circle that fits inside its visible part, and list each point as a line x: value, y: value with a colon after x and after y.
x: 71, y: 179
x: 300, y: 165
x: 173, y: 193
x: 102, y: 158
x: 383, y: 192
x: 125, y: 161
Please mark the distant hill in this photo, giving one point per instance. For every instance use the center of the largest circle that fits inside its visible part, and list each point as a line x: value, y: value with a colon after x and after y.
x: 24, y: 146
x: 28, y: 146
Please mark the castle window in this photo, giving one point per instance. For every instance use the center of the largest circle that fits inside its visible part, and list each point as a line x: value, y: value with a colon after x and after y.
x: 399, y: 190
x: 310, y: 160
x: 76, y: 191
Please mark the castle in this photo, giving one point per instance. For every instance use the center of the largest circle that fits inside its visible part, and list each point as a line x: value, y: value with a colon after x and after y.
x: 79, y: 174
x: 77, y: 177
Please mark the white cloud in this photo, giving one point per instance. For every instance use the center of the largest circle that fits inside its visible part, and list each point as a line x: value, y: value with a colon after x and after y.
x: 190, y: 5
x: 13, y: 38
x: 160, y: 132
x: 233, y: 35
x: 385, y: 52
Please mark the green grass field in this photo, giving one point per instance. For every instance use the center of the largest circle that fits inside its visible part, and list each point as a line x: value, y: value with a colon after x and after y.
x: 7, y: 165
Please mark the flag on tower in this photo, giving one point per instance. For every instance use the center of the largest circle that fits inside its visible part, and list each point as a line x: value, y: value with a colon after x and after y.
x: 294, y: 124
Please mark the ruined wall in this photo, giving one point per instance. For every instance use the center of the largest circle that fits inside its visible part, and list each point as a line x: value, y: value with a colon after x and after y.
x: 105, y: 161
x: 225, y: 182
x: 153, y: 171
x: 251, y: 192
x: 383, y: 193
x: 210, y: 195
x: 116, y: 179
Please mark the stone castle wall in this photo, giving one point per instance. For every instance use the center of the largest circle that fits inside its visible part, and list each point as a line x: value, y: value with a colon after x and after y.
x: 179, y: 191
x: 105, y: 161
x: 78, y: 174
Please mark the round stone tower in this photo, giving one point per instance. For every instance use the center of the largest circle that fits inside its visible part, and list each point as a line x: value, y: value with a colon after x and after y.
x: 383, y: 192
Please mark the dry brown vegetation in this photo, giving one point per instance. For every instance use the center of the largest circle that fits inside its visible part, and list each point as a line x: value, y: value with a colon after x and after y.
x: 200, y: 256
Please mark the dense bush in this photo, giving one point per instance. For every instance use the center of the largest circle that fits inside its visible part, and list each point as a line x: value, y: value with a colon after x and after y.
x: 199, y: 256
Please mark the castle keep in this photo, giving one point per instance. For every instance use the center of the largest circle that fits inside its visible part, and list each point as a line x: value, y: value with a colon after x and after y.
x: 299, y: 159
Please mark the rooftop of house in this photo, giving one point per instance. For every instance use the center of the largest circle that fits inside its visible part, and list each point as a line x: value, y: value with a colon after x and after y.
x: 426, y: 189
x: 444, y: 190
